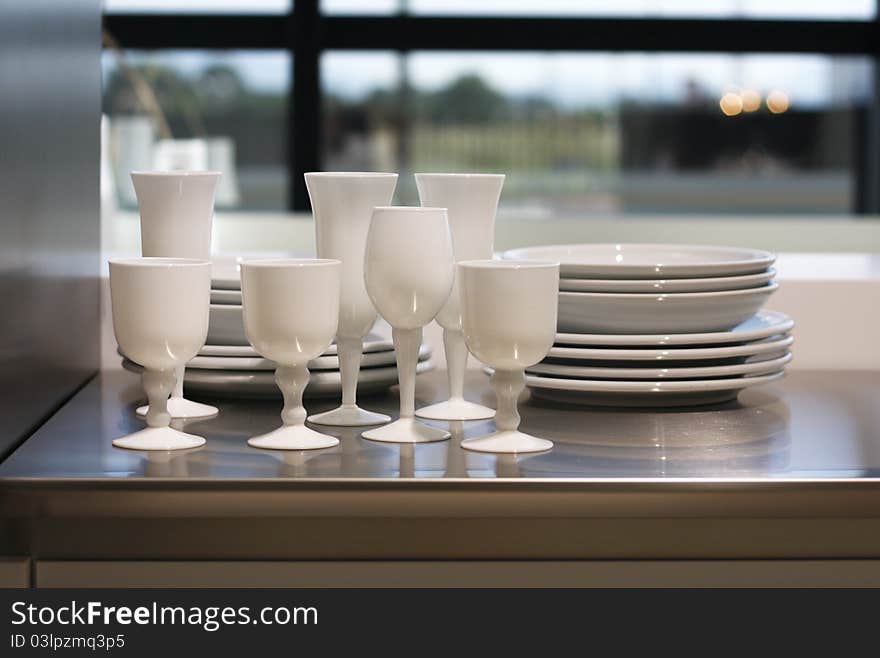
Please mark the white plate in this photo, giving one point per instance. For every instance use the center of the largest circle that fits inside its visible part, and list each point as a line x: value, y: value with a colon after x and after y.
x: 647, y: 261
x: 767, y: 346
x: 761, y: 325
x: 261, y: 384
x: 327, y: 362
x: 640, y: 313
x: 700, y: 372
x: 372, y: 343
x: 710, y: 284
x: 226, y: 325
x: 644, y: 393
x: 232, y: 297
x: 225, y: 272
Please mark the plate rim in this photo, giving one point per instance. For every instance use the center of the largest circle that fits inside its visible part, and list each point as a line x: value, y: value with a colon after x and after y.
x: 770, y: 365
x: 373, y: 346
x: 767, y: 289
x: 424, y: 353
x: 320, y: 377
x: 654, y: 386
x: 758, y: 278
x: 676, y: 354
x: 785, y: 325
x: 760, y: 258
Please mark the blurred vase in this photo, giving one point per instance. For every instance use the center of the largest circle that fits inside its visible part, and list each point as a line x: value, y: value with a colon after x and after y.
x: 180, y: 155
x: 130, y: 149
x: 221, y: 157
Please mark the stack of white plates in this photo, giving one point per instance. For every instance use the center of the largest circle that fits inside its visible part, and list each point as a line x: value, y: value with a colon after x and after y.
x: 657, y: 325
x: 228, y: 366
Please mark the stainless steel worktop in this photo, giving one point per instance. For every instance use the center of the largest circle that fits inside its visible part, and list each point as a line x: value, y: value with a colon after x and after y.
x: 790, y: 470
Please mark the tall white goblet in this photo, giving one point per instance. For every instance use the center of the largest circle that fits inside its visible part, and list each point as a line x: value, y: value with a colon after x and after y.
x: 291, y: 311
x: 408, y: 274
x: 471, y: 201
x: 509, y: 321
x: 177, y: 209
x: 342, y: 203
x: 160, y: 317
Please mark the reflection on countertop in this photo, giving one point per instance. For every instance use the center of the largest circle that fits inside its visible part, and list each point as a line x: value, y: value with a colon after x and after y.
x: 813, y: 424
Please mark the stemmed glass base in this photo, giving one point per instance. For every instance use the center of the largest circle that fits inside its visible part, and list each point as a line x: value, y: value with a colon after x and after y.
x: 507, y: 441
x: 182, y: 408
x: 178, y: 406
x: 406, y: 430
x: 456, y: 407
x: 293, y: 434
x: 159, y: 438
x: 158, y: 435
x: 453, y: 409
x: 349, y: 416
x: 293, y: 437
x: 508, y: 384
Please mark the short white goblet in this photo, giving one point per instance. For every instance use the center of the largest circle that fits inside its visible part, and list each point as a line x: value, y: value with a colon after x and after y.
x: 176, y: 210
x: 408, y: 273
x: 471, y: 201
x: 160, y: 317
x: 509, y: 321
x: 342, y: 203
x: 291, y: 311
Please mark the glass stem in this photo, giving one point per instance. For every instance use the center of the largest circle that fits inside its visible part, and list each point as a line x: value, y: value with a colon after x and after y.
x: 178, y: 382
x: 292, y: 380
x: 456, y: 361
x: 508, y: 384
x: 157, y: 385
x: 406, y: 349
x: 349, y: 351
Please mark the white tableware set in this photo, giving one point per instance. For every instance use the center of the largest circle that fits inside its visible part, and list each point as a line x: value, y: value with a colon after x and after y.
x: 177, y: 211
x: 229, y: 366
x: 281, y: 314
x: 660, y: 325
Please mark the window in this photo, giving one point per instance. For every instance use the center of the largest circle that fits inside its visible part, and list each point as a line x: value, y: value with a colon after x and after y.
x: 197, y: 109
x: 607, y: 133
x: 592, y: 108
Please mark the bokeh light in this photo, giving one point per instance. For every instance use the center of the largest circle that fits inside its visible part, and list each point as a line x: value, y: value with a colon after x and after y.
x: 731, y: 104
x: 777, y: 101
x: 751, y: 100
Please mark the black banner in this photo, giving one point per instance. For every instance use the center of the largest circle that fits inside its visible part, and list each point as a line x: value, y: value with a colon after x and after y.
x: 239, y: 622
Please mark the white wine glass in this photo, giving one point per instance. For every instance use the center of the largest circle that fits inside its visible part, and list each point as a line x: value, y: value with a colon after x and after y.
x: 408, y: 272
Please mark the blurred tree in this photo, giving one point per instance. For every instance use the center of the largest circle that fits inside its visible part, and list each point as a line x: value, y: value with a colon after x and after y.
x: 213, y: 102
x: 175, y: 95
x: 468, y: 99
x: 220, y: 84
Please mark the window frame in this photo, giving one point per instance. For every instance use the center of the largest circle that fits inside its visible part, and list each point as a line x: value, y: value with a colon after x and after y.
x: 306, y: 33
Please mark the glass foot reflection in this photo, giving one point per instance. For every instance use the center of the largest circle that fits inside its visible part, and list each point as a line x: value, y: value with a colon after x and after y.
x: 507, y: 441
x: 456, y: 410
x: 183, y: 408
x: 159, y: 438
x: 349, y: 416
x: 293, y: 437
x: 406, y: 430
